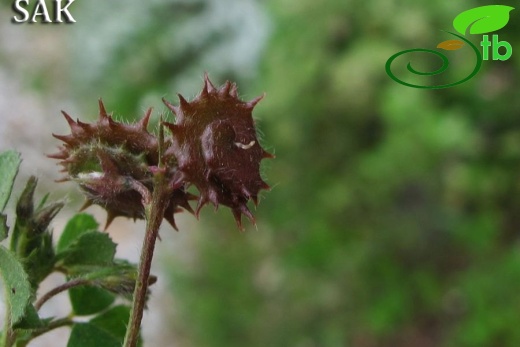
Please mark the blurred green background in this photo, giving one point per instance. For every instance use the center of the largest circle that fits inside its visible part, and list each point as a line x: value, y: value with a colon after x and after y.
x: 395, y: 212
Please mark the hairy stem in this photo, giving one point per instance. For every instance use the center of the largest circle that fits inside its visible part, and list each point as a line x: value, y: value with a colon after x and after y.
x: 154, y: 217
x: 52, y: 325
x: 66, y: 286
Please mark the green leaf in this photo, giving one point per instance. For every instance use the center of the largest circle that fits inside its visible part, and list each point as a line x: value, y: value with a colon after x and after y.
x: 77, y: 225
x: 90, y: 248
x: 9, y: 164
x: 87, y: 300
x: 31, y: 320
x: 81, y: 252
x: 4, y: 229
x: 90, y: 335
x: 17, y: 288
x: 483, y: 19
x: 113, y: 321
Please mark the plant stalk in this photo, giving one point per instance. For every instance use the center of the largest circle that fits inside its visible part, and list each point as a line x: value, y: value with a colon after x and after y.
x: 66, y: 286
x: 154, y: 216
x: 52, y: 325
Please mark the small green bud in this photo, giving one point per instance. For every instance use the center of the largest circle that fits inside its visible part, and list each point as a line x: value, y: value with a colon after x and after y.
x: 25, y: 206
x: 44, y: 216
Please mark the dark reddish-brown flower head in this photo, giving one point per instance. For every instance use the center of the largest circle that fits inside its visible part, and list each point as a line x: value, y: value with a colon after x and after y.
x: 213, y: 146
x: 112, y: 163
x: 216, y: 147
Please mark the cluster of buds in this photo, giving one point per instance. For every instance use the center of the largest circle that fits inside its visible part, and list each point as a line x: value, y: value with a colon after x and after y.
x: 213, y: 146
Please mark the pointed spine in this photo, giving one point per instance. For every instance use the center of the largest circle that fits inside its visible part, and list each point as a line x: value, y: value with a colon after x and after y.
x: 234, y: 91
x: 102, y: 110
x: 267, y: 155
x: 68, y: 139
x: 208, y: 85
x: 86, y: 205
x: 60, y: 155
x: 264, y: 185
x: 251, y: 104
x: 224, y: 91
x: 170, y: 219
x: 184, y: 104
x: 173, y: 108
x: 111, y: 215
x: 237, y: 213
x: 143, y: 123
x: 74, y: 127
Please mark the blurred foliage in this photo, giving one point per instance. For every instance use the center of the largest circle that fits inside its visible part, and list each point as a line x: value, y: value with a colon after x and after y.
x: 395, y: 212
x: 394, y: 215
x: 161, y: 47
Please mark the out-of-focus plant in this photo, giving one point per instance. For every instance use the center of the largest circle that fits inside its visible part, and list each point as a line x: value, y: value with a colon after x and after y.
x: 397, y: 224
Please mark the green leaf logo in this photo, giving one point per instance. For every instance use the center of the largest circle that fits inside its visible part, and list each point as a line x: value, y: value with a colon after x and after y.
x: 483, y: 19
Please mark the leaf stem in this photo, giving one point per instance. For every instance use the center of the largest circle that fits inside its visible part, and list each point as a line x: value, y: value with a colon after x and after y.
x: 52, y: 325
x: 67, y: 285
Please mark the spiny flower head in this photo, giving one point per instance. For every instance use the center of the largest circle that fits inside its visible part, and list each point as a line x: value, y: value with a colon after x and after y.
x: 216, y: 147
x: 113, y: 165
